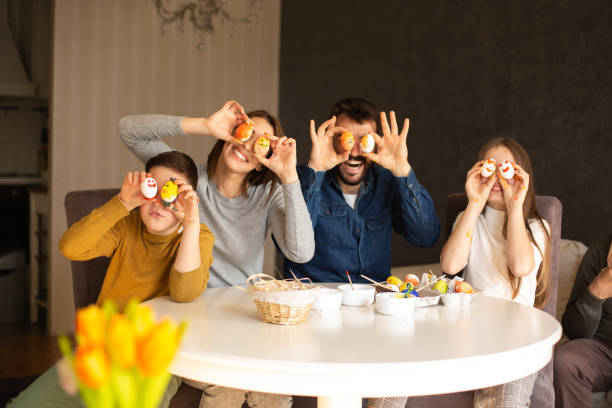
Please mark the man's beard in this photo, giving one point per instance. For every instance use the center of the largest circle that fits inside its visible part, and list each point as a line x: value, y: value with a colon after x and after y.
x: 358, y: 181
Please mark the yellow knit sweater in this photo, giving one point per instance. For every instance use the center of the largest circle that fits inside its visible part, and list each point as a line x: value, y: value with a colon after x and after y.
x: 141, y: 263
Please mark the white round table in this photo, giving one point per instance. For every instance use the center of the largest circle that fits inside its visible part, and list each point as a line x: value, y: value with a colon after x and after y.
x: 344, y: 355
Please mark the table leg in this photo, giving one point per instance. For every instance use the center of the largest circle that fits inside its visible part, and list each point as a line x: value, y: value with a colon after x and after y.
x: 339, y: 402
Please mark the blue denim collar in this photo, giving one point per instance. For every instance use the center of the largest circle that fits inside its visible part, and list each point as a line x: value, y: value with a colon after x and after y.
x: 332, y: 179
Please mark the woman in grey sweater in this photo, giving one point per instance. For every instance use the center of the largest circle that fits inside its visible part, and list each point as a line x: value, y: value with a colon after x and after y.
x: 240, y: 195
x: 240, y: 198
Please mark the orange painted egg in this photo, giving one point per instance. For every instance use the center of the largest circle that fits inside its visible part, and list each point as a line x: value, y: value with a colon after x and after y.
x: 347, y: 141
x: 244, y: 132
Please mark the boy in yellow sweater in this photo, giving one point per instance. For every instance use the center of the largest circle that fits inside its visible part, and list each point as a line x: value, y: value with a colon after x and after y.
x: 155, y: 250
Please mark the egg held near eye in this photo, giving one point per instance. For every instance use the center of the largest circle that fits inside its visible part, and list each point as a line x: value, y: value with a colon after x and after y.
x: 149, y: 187
x: 506, y: 169
x: 169, y: 192
x: 347, y: 141
x: 262, y: 146
x: 244, y: 131
x: 488, y: 168
x: 367, y: 143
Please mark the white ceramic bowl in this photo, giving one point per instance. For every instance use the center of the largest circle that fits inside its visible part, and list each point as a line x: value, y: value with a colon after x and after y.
x: 456, y: 299
x: 327, y: 299
x: 388, y: 304
x: 361, y: 295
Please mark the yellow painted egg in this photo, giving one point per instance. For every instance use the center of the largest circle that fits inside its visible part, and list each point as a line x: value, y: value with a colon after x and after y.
x: 347, y: 141
x: 169, y: 191
x: 262, y: 146
x: 394, y: 280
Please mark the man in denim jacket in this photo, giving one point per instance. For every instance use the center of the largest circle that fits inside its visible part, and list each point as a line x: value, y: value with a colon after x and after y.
x: 355, y: 198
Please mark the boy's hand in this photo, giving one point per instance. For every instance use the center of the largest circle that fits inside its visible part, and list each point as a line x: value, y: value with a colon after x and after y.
x: 186, y: 205
x: 130, y: 194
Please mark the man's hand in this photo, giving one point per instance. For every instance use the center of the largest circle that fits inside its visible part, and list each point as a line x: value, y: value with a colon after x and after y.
x: 130, y: 194
x: 283, y: 159
x: 323, y: 155
x: 186, y: 205
x: 392, y: 151
x: 601, y: 287
x: 221, y: 123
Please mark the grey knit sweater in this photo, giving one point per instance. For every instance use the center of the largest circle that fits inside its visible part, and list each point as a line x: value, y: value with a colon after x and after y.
x: 239, y: 224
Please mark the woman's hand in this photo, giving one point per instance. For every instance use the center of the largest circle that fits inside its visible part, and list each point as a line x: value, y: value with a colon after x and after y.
x: 392, y: 150
x: 515, y: 191
x: 221, y: 123
x: 323, y: 155
x: 186, y: 205
x: 131, y: 194
x: 478, y: 192
x: 283, y: 159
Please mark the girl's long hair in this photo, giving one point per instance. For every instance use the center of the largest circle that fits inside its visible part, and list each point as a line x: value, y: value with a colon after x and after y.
x: 529, y: 212
x: 254, y: 177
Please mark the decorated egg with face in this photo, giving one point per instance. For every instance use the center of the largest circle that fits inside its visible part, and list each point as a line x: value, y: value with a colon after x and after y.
x: 169, y: 192
x: 367, y: 143
x: 488, y: 168
x: 347, y: 141
x: 149, y: 187
x: 506, y: 169
x: 244, y: 131
x: 262, y: 146
x: 412, y: 278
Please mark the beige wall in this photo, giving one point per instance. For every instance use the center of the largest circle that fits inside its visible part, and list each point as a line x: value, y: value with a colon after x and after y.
x: 110, y: 59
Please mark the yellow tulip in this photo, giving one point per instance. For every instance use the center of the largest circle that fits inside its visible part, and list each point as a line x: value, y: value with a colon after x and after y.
x: 143, y: 319
x: 158, y: 348
x: 122, y: 341
x: 91, y: 326
x: 92, y: 365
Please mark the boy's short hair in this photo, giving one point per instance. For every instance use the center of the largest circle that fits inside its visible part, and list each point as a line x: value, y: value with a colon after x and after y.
x: 177, y: 161
x: 357, y: 109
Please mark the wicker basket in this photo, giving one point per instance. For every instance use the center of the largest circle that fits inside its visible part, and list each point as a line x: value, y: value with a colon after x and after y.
x: 281, y: 301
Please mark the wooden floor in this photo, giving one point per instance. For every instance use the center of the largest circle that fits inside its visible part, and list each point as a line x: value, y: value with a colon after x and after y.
x: 26, y: 350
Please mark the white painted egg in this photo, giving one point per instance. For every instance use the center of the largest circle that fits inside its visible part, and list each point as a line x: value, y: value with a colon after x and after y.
x: 149, y: 187
x: 506, y: 169
x: 489, y: 168
x: 367, y: 143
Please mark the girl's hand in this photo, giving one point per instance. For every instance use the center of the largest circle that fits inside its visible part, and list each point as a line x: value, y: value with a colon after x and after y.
x: 221, y: 123
x: 186, y: 205
x: 392, y: 150
x: 323, y: 155
x: 515, y: 191
x: 478, y: 192
x: 130, y: 194
x: 283, y: 159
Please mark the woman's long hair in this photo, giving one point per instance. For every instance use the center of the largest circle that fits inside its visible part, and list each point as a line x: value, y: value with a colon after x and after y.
x: 529, y: 212
x: 254, y: 177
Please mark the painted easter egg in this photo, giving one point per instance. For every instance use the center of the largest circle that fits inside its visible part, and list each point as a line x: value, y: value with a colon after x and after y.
x: 506, y: 169
x: 412, y: 278
x: 488, y: 168
x: 463, y: 287
x: 394, y: 280
x: 367, y: 143
x: 347, y: 141
x: 262, y: 146
x: 169, y: 192
x: 149, y: 187
x: 244, y: 131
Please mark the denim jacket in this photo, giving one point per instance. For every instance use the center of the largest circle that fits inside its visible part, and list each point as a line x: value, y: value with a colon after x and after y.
x: 359, y: 240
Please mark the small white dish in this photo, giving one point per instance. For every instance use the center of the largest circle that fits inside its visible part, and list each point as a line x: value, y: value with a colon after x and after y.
x: 361, y: 295
x: 456, y: 299
x: 327, y: 299
x: 390, y: 305
x: 427, y: 297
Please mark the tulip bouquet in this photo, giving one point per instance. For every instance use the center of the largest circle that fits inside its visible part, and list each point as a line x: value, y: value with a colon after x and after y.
x: 121, y: 360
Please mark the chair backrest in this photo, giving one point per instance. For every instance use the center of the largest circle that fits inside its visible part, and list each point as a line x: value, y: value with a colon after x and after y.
x: 87, y: 276
x: 551, y: 210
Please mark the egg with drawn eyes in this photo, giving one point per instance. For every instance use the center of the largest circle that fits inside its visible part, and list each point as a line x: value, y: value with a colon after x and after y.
x: 347, y: 141
x: 262, y: 146
x: 506, y: 169
x: 149, y: 187
x: 169, y: 192
x: 488, y: 168
x: 367, y: 143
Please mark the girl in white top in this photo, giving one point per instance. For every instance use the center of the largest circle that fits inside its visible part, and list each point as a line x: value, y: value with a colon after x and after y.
x: 500, y: 241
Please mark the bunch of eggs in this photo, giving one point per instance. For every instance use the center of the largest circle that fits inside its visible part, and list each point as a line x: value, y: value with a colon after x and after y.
x: 506, y: 169
x: 408, y: 288
x: 366, y: 143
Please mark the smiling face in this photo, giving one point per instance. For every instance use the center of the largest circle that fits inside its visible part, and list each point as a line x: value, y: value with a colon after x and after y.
x: 352, y: 172
x: 496, y: 197
x: 239, y: 158
x: 157, y: 218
